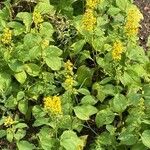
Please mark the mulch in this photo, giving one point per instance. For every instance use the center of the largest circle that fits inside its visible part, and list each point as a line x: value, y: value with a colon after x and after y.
x: 144, y: 6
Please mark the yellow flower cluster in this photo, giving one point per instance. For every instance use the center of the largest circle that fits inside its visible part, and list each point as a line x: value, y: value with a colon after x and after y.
x: 6, y: 36
x: 37, y: 17
x: 69, y: 81
x: 92, y: 3
x: 8, y: 121
x: 69, y: 67
x: 89, y: 20
x: 53, y: 104
x: 132, y: 21
x: 117, y: 50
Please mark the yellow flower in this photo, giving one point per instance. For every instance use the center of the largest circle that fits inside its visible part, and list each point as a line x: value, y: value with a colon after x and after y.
x: 89, y: 20
x: 131, y: 29
x: 132, y: 25
x: 69, y: 82
x: 92, y: 3
x: 8, y: 121
x: 53, y: 104
x: 6, y: 36
x: 134, y: 15
x: 37, y: 17
x: 69, y: 67
x: 117, y: 50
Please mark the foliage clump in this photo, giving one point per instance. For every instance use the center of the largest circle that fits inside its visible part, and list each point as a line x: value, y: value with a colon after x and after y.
x: 73, y: 76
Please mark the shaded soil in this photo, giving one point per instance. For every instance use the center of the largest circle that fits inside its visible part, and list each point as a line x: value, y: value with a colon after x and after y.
x: 144, y: 6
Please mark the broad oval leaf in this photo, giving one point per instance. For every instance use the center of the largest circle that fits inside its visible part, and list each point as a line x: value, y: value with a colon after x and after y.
x: 21, y: 77
x: 70, y: 141
x: 146, y: 138
x: 104, y: 117
x: 85, y: 111
x: 25, y: 145
x: 119, y: 103
x: 53, y: 62
x: 32, y: 69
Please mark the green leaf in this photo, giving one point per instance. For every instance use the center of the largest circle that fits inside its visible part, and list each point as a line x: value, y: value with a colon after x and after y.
x: 52, y: 58
x: 26, y: 18
x: 31, y: 40
x: 21, y: 125
x: 34, y: 52
x: 146, y: 138
x: 21, y: 77
x: 53, y: 62
x: 84, y: 76
x: 19, y: 134
x: 23, y: 106
x: 113, y: 11
x: 104, y: 117
x: 11, y: 102
x: 98, y: 46
x: 85, y: 111
x: 105, y: 139
x: 2, y: 133
x: 85, y: 55
x: 47, y: 143
x: 32, y: 69
x: 5, y: 81
x: 44, y: 7
x: 111, y: 129
x: 4, y: 14
x: 41, y: 121
x: 66, y: 122
x: 10, y: 134
x: 70, y: 141
x: 38, y: 112
x: 46, y: 30
x: 65, y: 6
x: 110, y: 89
x: 139, y: 146
x: 46, y: 140
x: 133, y: 98
x: 52, y: 51
x: 77, y: 46
x: 122, y: 4
x: 88, y: 99
x: 84, y: 91
x: 106, y: 80
x: 20, y: 95
x: 25, y: 145
x: 119, y: 103
x: 16, y: 65
x: 140, y: 70
x: 100, y: 91
x: 18, y: 28
x: 130, y: 78
x: 101, y: 21
x: 127, y: 138
x: 137, y: 54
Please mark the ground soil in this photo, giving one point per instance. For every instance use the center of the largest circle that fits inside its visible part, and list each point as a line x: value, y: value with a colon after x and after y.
x: 144, y: 6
